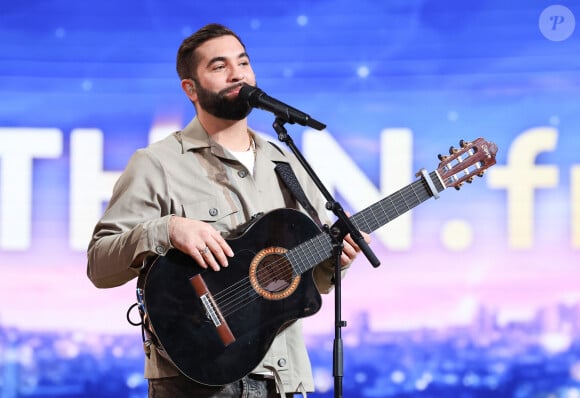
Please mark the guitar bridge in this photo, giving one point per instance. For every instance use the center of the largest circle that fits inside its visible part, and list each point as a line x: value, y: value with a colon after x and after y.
x: 212, y: 310
x: 209, y: 310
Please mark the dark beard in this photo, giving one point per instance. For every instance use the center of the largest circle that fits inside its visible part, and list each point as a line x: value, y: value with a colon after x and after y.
x: 218, y: 105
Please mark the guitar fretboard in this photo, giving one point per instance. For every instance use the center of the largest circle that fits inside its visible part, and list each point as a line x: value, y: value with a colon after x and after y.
x: 317, y: 249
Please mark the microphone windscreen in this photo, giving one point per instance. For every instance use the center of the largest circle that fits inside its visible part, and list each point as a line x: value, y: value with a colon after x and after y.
x: 250, y: 94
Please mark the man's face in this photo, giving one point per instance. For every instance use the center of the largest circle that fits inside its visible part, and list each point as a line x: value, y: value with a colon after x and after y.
x: 223, y: 67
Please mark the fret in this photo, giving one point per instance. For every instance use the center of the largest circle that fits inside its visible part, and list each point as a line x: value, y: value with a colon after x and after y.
x: 310, y: 253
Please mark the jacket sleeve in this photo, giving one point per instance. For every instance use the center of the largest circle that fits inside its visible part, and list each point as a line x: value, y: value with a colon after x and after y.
x: 134, y: 227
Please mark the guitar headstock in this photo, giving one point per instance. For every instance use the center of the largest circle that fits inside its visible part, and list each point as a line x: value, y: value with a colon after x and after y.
x: 464, y: 163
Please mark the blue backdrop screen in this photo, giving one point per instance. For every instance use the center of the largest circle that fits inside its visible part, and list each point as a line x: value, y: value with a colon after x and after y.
x: 477, y: 293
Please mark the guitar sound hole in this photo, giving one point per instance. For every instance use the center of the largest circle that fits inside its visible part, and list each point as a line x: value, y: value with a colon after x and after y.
x: 274, y: 273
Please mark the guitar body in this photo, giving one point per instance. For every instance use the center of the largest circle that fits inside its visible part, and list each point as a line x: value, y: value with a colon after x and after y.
x: 253, y: 299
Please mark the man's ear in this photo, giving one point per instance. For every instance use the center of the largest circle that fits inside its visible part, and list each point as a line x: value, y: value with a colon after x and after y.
x: 188, y: 87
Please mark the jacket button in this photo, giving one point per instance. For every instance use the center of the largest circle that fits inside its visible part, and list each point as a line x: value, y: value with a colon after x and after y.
x: 160, y: 249
x: 213, y: 211
x: 281, y: 362
x: 242, y: 173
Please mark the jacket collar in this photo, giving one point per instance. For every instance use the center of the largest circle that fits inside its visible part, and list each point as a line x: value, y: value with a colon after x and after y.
x: 194, y: 137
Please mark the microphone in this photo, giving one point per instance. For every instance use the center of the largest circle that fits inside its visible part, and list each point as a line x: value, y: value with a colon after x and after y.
x: 259, y: 99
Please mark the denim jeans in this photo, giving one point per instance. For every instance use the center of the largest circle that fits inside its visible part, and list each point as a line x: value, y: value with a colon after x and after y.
x: 182, y: 387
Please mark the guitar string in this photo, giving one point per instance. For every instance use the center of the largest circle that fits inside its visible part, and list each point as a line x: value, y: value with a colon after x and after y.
x: 241, y: 293
x: 231, y: 298
x: 402, y: 197
x: 249, y: 295
x: 252, y: 295
x: 232, y: 305
x: 274, y: 272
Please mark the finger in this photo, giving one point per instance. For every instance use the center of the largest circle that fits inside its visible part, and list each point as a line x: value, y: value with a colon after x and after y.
x: 198, y: 257
x: 224, y: 246
x: 218, y: 252
x: 345, y: 261
x: 219, y: 248
x: 349, y: 250
x: 349, y: 241
x: 210, y: 259
x: 366, y: 237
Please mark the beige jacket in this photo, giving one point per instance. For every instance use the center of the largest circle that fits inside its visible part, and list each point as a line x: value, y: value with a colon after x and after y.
x: 187, y: 174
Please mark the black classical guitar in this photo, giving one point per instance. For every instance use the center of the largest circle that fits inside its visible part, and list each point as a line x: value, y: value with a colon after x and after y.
x: 217, y: 326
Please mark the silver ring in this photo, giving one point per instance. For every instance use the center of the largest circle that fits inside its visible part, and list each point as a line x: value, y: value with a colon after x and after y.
x: 205, y: 250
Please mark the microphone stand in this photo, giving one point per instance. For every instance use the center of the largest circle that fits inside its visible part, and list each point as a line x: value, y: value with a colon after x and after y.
x: 337, y: 233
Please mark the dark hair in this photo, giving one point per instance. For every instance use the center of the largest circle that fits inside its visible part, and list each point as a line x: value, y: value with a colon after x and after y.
x: 186, y: 59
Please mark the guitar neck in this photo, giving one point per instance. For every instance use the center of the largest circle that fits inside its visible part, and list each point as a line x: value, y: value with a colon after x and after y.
x: 396, y: 204
x: 314, y: 251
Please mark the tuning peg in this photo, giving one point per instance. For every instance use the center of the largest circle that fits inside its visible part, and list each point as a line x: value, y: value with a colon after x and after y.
x: 442, y: 157
x: 481, y: 173
x: 469, y: 180
x: 458, y: 187
x: 463, y: 143
x: 453, y: 150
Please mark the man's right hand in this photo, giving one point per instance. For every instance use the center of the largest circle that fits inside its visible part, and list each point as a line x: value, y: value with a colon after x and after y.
x: 201, y: 241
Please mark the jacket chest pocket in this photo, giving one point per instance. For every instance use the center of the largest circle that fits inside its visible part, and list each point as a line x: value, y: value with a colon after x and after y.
x: 212, y: 210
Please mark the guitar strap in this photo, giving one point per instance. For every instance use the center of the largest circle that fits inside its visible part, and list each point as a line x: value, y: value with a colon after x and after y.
x: 286, y: 174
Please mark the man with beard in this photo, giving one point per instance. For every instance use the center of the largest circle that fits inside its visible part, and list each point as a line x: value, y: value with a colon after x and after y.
x: 192, y: 189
